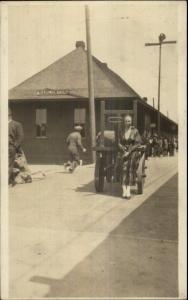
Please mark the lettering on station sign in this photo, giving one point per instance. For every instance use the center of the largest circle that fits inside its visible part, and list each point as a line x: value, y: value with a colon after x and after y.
x: 52, y: 92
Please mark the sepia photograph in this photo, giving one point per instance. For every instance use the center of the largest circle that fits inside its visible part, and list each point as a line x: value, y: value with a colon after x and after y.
x: 93, y: 149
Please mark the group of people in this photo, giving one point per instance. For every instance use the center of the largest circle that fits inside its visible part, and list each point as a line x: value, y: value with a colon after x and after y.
x: 128, y: 158
x: 18, y: 167
x: 161, y: 145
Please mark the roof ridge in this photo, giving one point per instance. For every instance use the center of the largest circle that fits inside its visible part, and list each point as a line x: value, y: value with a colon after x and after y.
x: 101, y: 64
x: 71, y: 65
x: 56, y: 61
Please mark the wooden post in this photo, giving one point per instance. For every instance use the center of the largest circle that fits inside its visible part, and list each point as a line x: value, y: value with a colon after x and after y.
x: 153, y: 102
x: 102, y: 121
x: 90, y: 84
x: 159, y: 92
x: 135, y: 111
x: 162, y: 41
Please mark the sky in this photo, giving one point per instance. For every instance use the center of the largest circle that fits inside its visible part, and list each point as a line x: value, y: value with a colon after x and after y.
x: 41, y: 33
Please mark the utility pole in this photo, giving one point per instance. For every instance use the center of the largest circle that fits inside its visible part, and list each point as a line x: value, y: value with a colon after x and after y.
x: 162, y: 37
x: 90, y: 83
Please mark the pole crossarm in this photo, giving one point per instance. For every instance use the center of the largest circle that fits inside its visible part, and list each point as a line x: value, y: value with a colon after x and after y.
x: 152, y: 44
x: 169, y: 42
x: 158, y: 44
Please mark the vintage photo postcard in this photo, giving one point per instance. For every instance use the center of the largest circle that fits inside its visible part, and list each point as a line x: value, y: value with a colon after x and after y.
x: 93, y: 149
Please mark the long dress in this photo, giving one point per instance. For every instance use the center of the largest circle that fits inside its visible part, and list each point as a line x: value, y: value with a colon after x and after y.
x: 130, y: 140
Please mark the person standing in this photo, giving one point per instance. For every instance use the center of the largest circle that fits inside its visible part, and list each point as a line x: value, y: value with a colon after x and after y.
x: 15, y: 139
x: 171, y: 147
x: 165, y: 146
x: 160, y: 147
x: 150, y: 146
x: 74, y: 142
x: 145, y: 141
x: 155, y: 145
x: 129, y: 141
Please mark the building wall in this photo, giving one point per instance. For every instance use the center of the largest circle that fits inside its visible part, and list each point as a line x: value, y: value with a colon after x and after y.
x: 168, y: 128
x: 60, y: 122
x: 145, y: 117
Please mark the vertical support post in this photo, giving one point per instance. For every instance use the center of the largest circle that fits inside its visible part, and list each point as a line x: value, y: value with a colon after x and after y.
x: 90, y: 83
x: 162, y: 37
x: 153, y: 102
x: 102, y: 119
x: 117, y: 130
x: 135, y: 111
x: 159, y: 90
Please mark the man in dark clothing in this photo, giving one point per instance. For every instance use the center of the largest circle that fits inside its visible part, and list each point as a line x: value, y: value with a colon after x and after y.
x: 16, y: 135
x: 171, y: 147
x: 165, y: 146
x: 155, y: 145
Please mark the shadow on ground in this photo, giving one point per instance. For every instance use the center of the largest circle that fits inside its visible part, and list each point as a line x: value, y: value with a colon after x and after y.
x: 138, y: 259
x: 110, y: 189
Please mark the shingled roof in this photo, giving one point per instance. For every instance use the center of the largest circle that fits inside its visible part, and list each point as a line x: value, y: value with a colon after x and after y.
x: 67, y: 78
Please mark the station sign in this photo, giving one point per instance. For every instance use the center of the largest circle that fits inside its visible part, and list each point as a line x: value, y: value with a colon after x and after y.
x: 52, y: 92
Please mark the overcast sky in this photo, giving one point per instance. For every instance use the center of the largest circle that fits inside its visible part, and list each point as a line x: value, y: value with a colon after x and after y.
x: 41, y: 33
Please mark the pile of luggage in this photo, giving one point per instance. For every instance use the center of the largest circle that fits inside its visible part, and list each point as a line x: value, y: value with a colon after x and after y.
x: 21, y: 171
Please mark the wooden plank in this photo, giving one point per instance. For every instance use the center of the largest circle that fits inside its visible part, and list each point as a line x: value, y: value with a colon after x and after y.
x: 102, y: 117
x: 135, y: 111
x: 90, y: 82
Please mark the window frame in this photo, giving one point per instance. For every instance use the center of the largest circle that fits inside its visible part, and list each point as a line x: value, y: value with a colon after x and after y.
x: 40, y: 136
x: 81, y: 123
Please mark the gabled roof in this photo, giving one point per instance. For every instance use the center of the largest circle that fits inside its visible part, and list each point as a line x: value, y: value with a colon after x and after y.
x: 67, y: 78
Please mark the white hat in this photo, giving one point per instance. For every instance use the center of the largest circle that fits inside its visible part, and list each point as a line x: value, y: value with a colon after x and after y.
x: 78, y: 127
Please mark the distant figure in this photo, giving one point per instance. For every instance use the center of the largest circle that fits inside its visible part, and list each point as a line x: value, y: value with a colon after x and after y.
x: 175, y: 144
x: 146, y: 140
x: 43, y: 129
x: 74, y: 142
x: 160, y: 148
x: 171, y: 147
x: 150, y: 146
x: 165, y: 146
x: 155, y: 145
x: 16, y: 135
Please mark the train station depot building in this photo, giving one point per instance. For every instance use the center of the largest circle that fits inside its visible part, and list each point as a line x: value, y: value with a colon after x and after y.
x: 52, y: 101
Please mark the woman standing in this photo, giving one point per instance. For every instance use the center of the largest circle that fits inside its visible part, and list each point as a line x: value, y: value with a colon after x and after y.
x: 129, y: 140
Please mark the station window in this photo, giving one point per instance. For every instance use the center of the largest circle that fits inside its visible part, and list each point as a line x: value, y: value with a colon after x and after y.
x: 80, y: 119
x: 41, y: 122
